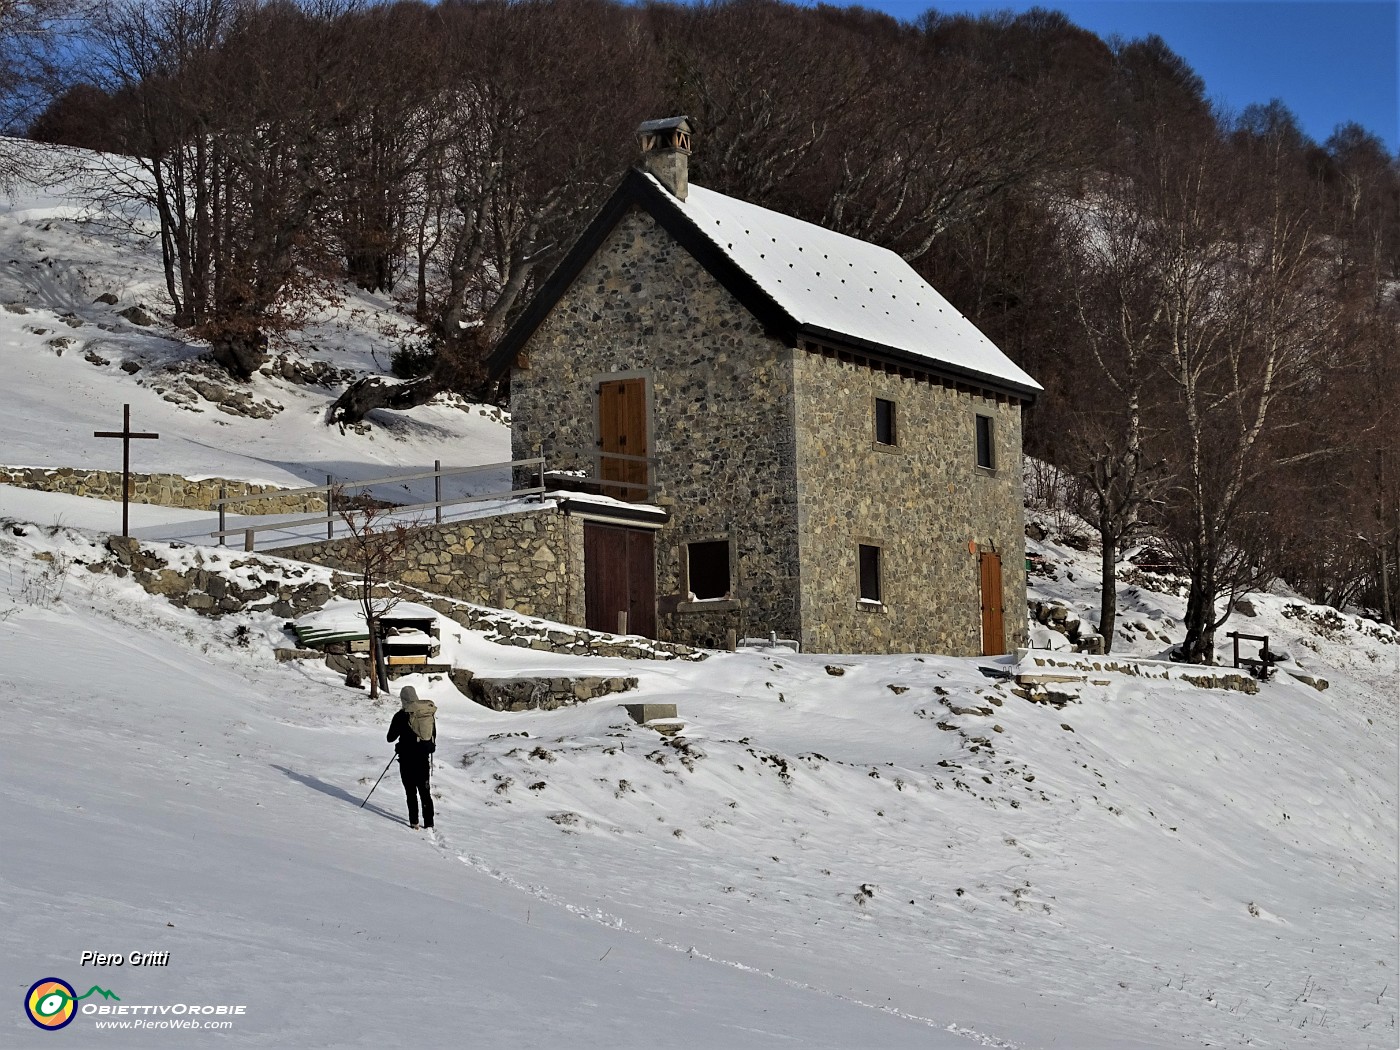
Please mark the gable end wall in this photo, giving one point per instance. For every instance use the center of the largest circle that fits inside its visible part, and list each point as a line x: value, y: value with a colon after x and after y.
x: 721, y: 419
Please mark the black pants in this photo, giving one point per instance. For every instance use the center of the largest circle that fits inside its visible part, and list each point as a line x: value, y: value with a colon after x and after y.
x: 415, y: 785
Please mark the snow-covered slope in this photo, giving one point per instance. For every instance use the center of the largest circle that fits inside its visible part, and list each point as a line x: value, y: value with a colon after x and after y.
x: 65, y: 358
x: 836, y: 851
x: 844, y: 851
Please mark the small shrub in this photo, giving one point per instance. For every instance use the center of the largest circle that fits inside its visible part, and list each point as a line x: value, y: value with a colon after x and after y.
x: 414, y: 358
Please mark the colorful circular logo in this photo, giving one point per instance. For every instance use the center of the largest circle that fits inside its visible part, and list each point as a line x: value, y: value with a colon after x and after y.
x: 50, y: 1003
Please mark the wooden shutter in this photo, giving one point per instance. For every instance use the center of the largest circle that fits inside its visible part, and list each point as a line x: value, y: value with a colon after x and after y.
x: 622, y: 428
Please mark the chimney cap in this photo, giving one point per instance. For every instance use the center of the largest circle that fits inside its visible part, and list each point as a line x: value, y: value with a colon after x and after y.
x: 648, y: 127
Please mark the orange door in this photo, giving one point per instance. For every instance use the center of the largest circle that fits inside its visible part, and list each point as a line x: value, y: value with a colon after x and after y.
x: 993, y: 626
x: 622, y: 438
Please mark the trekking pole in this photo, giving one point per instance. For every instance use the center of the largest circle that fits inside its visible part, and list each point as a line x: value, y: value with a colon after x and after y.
x: 381, y: 777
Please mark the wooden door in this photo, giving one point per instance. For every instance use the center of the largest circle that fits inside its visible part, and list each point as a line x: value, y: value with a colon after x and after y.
x: 619, y: 575
x: 993, y: 626
x: 622, y: 431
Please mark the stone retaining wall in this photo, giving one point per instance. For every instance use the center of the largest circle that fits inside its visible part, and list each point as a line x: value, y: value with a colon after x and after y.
x: 529, y: 562
x: 164, y: 490
x: 541, y: 694
x: 210, y: 593
x: 1205, y: 678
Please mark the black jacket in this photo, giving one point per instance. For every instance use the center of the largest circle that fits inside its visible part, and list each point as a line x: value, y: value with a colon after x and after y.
x: 409, y: 747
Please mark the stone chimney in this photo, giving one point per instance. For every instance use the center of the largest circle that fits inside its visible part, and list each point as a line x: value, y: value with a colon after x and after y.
x: 666, y: 152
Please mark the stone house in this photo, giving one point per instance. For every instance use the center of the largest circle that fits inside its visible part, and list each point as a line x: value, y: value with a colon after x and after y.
x: 786, y: 430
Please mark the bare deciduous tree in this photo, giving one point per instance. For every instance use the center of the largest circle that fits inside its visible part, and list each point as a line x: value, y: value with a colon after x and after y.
x: 377, y: 546
x: 1244, y: 327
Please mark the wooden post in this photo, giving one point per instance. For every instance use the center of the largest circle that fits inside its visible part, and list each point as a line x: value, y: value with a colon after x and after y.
x: 732, y: 640
x: 330, y: 508
x: 223, y: 523
x: 622, y: 622
x: 437, y: 490
x: 247, y: 539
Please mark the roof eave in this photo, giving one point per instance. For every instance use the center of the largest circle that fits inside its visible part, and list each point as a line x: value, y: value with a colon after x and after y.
x: 997, y: 385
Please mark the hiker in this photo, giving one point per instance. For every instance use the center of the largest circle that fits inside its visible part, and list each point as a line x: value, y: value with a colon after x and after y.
x: 415, y: 728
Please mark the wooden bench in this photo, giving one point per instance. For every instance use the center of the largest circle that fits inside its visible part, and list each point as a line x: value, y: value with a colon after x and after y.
x: 1262, y: 666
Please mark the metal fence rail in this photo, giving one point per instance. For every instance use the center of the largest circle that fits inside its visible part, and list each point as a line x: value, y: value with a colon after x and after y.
x: 332, y: 515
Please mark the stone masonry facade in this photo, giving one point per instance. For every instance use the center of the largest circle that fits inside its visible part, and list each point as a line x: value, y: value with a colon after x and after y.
x: 720, y: 413
x: 772, y: 449
x: 922, y: 501
x: 164, y: 490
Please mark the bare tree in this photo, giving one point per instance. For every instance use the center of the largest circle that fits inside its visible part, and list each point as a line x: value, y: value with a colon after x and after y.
x: 33, y: 70
x: 532, y: 138
x: 1119, y: 305
x: 375, y: 551
x: 1242, y: 329
x: 224, y: 106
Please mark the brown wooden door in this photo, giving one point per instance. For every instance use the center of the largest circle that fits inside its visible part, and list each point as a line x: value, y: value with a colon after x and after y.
x: 622, y: 430
x: 993, y: 625
x: 619, y: 575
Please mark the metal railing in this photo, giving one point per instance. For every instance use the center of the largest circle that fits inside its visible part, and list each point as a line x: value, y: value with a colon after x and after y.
x: 333, y: 514
x: 597, y: 457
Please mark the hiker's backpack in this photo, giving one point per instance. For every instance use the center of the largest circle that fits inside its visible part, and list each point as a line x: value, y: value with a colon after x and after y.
x: 421, y: 714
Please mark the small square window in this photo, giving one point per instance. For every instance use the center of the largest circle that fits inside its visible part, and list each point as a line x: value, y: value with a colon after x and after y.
x: 870, y: 573
x: 986, y: 450
x: 707, y: 565
x: 884, y: 422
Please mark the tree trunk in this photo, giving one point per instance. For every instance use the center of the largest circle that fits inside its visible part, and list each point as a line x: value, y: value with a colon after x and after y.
x: 365, y: 395
x: 1108, y: 601
x: 1199, y: 644
x: 371, y: 622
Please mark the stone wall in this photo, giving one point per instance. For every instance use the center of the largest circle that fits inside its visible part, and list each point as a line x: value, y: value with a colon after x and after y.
x: 1085, y: 666
x: 527, y: 693
x: 720, y: 418
x: 207, y: 589
x: 165, y: 490
x: 923, y: 501
x: 529, y: 561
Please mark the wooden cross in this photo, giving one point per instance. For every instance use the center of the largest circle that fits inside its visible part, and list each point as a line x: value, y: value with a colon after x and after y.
x: 126, y: 435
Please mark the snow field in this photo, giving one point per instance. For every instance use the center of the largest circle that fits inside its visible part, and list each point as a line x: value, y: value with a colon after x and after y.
x: 1183, y: 866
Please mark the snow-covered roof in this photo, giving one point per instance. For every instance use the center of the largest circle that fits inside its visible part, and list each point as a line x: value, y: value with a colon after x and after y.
x: 831, y: 283
x: 802, y: 281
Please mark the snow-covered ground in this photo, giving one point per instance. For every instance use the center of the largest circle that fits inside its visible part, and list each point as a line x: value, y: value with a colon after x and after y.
x: 836, y: 851
x: 906, y: 853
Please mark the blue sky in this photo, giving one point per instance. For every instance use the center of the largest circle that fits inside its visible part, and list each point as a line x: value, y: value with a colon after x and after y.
x: 1330, y: 61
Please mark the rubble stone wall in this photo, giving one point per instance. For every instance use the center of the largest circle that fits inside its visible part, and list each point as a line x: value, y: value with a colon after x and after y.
x: 529, y: 562
x: 164, y: 490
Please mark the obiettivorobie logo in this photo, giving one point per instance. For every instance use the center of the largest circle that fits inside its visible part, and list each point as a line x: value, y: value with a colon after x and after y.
x: 52, y: 1003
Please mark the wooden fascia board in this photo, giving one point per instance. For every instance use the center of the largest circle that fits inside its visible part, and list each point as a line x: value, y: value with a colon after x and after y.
x: 900, y: 359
